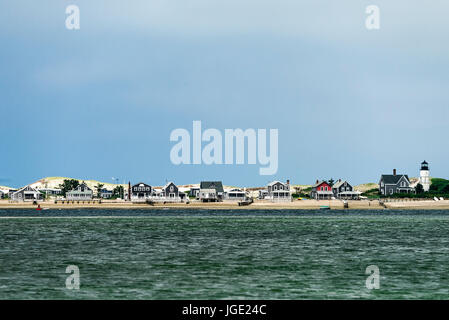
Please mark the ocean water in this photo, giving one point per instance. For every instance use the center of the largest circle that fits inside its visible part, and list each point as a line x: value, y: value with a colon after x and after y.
x: 223, y: 254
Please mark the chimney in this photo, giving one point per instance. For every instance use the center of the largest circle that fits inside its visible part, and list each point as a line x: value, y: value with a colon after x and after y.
x: 317, y: 181
x: 288, y: 181
x: 394, y: 172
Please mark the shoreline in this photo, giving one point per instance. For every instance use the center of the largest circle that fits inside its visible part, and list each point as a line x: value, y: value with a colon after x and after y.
x: 233, y: 205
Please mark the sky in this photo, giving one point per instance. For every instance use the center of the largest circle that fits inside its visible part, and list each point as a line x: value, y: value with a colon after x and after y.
x: 101, y: 101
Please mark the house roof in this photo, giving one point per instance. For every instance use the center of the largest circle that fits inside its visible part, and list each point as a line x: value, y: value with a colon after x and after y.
x: 340, y: 183
x: 319, y: 182
x: 392, y: 179
x: 217, y: 185
x: 83, y: 185
x: 29, y: 188
x: 167, y: 184
x: 140, y: 184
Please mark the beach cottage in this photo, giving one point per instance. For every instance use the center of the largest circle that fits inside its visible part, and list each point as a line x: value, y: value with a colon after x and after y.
x: 211, y: 191
x: 141, y: 191
x: 195, y: 192
x: 10, y: 193
x: 263, y: 194
x: 278, y: 191
x: 105, y: 193
x: 80, y: 193
x: 343, y: 190
x: 51, y: 192
x: 321, y: 190
x: 26, y: 194
x: 170, y: 192
x: 235, y: 194
x: 390, y: 184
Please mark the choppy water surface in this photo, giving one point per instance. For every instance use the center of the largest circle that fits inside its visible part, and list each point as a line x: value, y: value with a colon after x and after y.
x: 218, y: 254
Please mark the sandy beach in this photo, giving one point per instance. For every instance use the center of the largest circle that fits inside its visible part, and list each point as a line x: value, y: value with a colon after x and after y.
x: 258, y: 204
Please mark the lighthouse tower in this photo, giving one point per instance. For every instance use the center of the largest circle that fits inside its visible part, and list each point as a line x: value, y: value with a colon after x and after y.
x: 424, y: 176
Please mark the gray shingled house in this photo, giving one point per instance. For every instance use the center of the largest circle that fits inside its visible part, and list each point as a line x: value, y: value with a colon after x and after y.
x: 211, y: 191
x: 343, y: 190
x: 170, y: 191
x: 141, y: 192
x: 278, y: 191
x: 390, y: 184
x: 26, y: 194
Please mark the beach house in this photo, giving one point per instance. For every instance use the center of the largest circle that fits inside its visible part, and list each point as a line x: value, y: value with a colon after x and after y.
x: 105, y: 193
x: 195, y: 192
x: 278, y: 191
x: 235, y: 194
x: 10, y: 193
x: 141, y: 191
x: 321, y: 190
x: 50, y: 192
x: 343, y: 190
x: 170, y: 192
x: 80, y: 193
x: 26, y: 194
x: 390, y: 184
x: 211, y: 191
x: 263, y: 194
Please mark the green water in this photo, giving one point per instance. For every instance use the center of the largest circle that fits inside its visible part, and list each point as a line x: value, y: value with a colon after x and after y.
x: 150, y: 254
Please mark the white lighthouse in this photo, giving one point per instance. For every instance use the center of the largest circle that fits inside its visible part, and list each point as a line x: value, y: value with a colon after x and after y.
x: 424, y: 179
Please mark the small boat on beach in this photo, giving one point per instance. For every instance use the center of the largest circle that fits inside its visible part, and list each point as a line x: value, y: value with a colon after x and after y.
x: 245, y: 202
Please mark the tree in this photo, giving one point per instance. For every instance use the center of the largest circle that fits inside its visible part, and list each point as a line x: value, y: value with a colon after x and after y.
x: 99, y: 187
x: 446, y: 189
x: 419, y: 188
x: 68, y: 185
x: 331, y: 182
x: 118, y: 192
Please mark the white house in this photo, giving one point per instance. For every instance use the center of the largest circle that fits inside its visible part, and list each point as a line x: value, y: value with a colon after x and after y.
x: 235, y: 194
x: 80, y: 193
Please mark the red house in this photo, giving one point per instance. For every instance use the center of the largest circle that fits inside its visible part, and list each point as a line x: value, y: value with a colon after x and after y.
x: 321, y: 190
